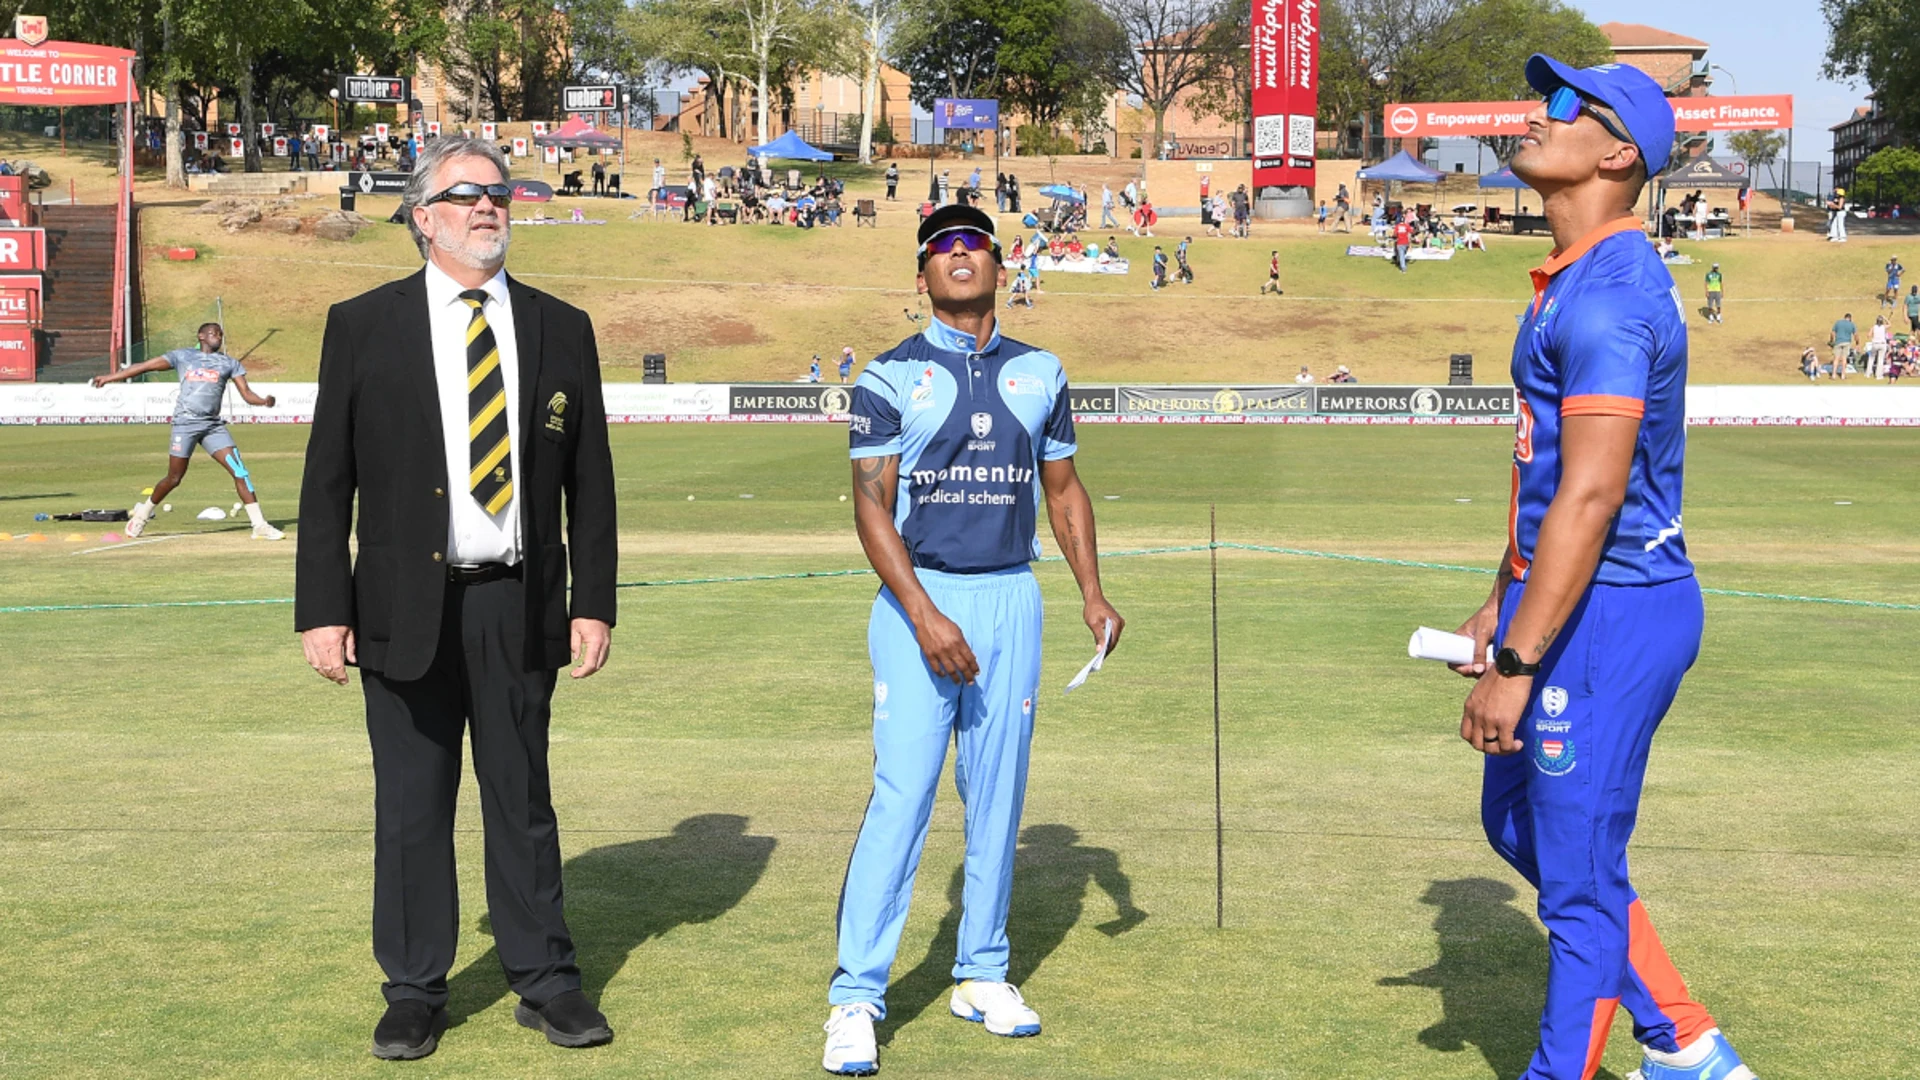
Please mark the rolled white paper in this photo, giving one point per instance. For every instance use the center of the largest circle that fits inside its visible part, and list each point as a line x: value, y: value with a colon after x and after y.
x: 1430, y: 644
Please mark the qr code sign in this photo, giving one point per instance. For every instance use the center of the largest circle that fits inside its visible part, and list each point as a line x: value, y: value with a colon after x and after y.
x: 1269, y: 136
x: 1300, y: 136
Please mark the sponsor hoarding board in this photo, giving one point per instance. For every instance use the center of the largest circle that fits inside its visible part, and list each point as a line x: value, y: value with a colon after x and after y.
x: 1420, y: 119
x: 22, y: 250
x: 63, y: 73
x: 1733, y: 113
x: 376, y: 89
x: 790, y: 401
x: 1228, y: 402
x: 969, y: 114
x: 378, y: 183
x: 580, y: 99
x: 1352, y: 399
x: 1286, y: 91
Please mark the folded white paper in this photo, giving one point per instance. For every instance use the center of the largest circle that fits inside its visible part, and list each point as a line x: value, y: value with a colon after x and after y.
x: 1093, y: 665
x: 1430, y: 644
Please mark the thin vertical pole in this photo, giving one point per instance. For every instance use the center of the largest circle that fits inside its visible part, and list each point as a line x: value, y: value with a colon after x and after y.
x: 1219, y: 820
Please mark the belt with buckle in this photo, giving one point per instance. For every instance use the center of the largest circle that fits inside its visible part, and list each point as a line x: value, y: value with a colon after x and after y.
x: 482, y: 574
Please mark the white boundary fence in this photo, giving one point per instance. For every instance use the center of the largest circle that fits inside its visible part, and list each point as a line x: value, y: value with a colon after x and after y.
x: 1791, y: 405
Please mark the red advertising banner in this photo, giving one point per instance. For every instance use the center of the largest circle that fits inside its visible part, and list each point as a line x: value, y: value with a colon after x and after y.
x: 1286, y: 91
x: 17, y: 353
x: 23, y: 250
x: 13, y: 200
x: 19, y: 306
x: 1428, y: 119
x: 1743, y: 113
x: 63, y: 73
x: 1432, y: 119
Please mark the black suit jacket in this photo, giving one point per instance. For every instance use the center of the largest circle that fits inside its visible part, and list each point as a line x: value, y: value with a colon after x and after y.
x: 377, y: 433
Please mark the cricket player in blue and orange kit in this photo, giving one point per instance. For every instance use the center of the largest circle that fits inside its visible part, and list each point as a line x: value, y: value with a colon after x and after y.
x: 1596, y: 611
x: 957, y: 434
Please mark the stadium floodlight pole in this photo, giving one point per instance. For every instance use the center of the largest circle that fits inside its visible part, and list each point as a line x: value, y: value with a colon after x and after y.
x: 1219, y: 820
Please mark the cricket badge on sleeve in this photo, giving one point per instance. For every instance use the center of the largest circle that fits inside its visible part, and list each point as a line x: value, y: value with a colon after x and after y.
x: 557, y: 413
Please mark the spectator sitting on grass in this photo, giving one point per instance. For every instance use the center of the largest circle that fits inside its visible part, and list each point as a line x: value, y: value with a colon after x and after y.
x: 1810, y: 364
x: 1110, y: 253
x: 1341, y: 374
x: 1471, y: 240
x: 1305, y: 377
x: 1018, y: 252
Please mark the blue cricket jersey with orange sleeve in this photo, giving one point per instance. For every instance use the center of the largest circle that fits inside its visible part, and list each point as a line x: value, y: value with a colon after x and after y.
x: 1606, y: 334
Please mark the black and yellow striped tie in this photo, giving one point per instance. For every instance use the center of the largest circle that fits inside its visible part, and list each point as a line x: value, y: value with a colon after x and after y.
x: 489, y: 447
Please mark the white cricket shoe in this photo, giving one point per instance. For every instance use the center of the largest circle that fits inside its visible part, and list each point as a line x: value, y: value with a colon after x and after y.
x: 998, y: 1005
x: 267, y: 532
x: 851, y: 1050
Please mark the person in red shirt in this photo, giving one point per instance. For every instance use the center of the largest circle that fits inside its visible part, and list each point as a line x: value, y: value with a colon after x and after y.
x: 1273, y: 275
x: 1402, y: 240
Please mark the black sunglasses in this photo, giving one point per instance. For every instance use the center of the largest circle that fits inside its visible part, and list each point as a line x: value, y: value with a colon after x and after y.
x: 468, y: 193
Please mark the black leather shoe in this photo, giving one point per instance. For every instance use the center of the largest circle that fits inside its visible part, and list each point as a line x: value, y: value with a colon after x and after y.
x: 568, y: 1020
x: 410, y: 1030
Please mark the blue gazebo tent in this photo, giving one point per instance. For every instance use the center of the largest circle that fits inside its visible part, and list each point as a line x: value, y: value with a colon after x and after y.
x: 790, y: 147
x: 1401, y: 167
x: 1502, y: 179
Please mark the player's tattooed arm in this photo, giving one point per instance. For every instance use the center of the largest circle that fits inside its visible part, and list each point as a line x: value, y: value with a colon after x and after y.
x: 1070, y: 509
x: 875, y: 482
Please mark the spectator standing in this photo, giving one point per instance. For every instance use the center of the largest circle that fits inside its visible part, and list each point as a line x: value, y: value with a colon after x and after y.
x: 1159, y: 268
x: 1402, y: 240
x: 893, y: 180
x: 1342, y: 211
x: 1877, y: 343
x: 1913, y: 310
x: 1322, y: 215
x: 1305, y: 377
x: 1131, y: 195
x: 659, y: 180
x: 293, y: 153
x: 699, y: 172
x: 846, y: 364
x: 1242, y: 212
x: 1713, y: 294
x: 1180, y: 255
x: 1106, y: 208
x: 1837, y: 216
x: 1273, y: 275
x: 973, y: 181
x: 946, y: 195
x: 1892, y: 294
x: 599, y: 177
x: 813, y: 369
x: 1843, y: 340
x: 1000, y: 191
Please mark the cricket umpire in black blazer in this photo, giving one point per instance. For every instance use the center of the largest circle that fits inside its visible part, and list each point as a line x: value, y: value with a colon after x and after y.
x: 464, y: 410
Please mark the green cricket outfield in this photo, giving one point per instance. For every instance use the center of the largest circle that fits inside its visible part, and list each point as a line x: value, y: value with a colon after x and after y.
x: 186, y: 813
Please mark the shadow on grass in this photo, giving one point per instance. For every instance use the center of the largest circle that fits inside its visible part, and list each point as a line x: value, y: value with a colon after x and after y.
x: 40, y: 495
x: 1492, y: 975
x: 620, y: 896
x: 271, y: 330
x: 1052, y: 870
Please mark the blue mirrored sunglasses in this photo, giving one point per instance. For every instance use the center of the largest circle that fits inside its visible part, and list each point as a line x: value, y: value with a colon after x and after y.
x: 1566, y: 104
x: 945, y: 240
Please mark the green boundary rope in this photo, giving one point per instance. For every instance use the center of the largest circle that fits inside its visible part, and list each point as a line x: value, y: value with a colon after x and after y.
x: 799, y: 575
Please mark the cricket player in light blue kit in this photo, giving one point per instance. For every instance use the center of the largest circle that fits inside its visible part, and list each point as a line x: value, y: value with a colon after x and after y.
x: 204, y: 374
x: 957, y: 436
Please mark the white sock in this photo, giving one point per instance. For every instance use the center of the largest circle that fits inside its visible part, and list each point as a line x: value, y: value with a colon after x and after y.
x: 143, y: 509
x: 1687, y: 1056
x: 254, y: 515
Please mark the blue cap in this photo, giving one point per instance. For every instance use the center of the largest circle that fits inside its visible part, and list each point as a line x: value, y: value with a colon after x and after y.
x: 1628, y: 91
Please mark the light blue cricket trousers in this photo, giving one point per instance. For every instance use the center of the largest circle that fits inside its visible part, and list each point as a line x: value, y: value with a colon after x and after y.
x: 915, y: 713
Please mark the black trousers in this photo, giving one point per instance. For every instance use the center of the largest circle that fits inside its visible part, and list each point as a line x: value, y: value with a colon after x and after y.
x: 476, y: 681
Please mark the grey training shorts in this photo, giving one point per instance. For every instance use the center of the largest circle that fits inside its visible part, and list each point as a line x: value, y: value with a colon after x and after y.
x: 211, y: 434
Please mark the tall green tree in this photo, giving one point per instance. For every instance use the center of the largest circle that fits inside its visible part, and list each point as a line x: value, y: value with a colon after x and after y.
x: 1758, y: 148
x: 1878, y: 42
x: 1486, y: 58
x: 1169, y: 49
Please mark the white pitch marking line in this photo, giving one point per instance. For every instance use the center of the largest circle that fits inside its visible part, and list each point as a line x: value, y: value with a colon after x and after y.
x: 133, y: 543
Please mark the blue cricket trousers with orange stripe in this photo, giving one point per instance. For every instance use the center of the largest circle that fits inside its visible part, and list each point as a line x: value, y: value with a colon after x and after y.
x: 1562, y: 809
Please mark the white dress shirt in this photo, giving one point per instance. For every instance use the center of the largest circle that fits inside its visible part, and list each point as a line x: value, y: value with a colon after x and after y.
x: 473, y: 535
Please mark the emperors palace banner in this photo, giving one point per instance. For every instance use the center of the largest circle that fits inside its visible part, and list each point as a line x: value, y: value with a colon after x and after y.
x: 63, y: 73
x: 1286, y: 91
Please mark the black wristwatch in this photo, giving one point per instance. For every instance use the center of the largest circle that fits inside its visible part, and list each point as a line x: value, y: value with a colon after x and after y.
x: 1508, y: 663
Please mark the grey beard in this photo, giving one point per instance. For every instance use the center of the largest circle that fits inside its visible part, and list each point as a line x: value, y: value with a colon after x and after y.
x: 483, y: 258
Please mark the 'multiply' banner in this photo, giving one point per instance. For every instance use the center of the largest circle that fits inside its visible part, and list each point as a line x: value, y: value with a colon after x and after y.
x: 1286, y: 91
